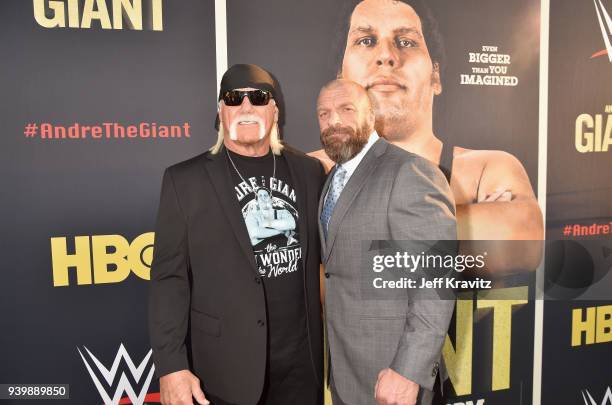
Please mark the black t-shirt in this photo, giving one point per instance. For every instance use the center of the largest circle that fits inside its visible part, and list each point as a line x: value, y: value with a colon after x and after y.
x: 269, y: 209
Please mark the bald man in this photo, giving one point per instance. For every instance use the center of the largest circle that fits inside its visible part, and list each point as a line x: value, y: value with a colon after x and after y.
x: 384, y: 350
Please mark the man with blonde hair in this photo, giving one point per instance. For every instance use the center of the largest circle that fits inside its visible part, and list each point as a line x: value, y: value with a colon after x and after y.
x: 235, y: 315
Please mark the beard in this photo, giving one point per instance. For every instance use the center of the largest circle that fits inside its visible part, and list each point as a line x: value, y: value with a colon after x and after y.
x: 342, y: 151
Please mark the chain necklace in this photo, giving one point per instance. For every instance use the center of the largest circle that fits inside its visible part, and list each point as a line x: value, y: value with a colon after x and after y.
x: 242, y: 178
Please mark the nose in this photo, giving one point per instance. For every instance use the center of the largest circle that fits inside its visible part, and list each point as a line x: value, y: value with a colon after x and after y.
x: 387, y: 54
x: 246, y: 105
x: 334, y: 119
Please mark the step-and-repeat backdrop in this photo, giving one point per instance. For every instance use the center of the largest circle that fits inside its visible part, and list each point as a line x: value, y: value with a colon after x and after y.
x: 99, y: 96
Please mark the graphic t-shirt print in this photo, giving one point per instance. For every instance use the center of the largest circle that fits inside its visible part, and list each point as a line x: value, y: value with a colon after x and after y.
x: 269, y: 209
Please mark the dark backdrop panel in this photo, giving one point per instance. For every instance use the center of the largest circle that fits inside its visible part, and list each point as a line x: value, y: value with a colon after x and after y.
x: 68, y: 187
x: 579, y: 193
x: 578, y: 85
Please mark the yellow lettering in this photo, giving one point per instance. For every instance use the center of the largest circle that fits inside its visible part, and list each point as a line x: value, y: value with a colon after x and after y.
x: 582, y: 135
x: 501, y: 302
x: 56, y: 20
x: 131, y: 10
x: 73, y: 13
x: 156, y: 15
x: 52, y: 14
x: 102, y: 259
x: 458, y: 359
x: 61, y: 261
x: 101, y: 13
x: 603, y: 332
x: 607, y: 141
x: 597, y: 140
x: 587, y: 326
x: 141, y: 255
x: 111, y: 257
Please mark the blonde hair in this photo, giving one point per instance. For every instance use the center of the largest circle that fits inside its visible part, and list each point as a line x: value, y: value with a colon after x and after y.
x: 275, y: 142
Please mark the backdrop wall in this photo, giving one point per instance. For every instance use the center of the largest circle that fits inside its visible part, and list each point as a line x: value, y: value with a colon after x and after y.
x: 98, y: 99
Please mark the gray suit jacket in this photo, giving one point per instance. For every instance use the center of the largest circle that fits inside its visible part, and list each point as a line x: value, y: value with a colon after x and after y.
x: 392, y: 195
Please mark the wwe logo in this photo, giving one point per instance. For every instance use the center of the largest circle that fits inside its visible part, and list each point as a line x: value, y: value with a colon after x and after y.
x: 588, y: 399
x: 605, y: 23
x: 124, y: 384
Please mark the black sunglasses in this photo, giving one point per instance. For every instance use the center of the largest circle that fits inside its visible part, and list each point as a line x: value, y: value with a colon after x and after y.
x: 256, y: 97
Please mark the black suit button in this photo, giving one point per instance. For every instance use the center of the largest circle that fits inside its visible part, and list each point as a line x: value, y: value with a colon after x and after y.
x: 326, y: 275
x: 258, y: 280
x: 260, y: 322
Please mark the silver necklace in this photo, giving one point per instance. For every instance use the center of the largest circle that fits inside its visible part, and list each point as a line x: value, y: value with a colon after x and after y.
x: 242, y: 178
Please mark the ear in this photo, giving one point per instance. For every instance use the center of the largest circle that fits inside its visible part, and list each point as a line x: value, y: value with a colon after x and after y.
x: 436, y: 82
x: 275, y: 112
x: 220, y: 106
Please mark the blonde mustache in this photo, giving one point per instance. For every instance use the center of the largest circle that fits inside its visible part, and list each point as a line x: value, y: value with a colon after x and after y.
x: 246, y: 117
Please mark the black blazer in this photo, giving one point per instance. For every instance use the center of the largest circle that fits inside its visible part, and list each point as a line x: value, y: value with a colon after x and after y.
x: 207, y: 310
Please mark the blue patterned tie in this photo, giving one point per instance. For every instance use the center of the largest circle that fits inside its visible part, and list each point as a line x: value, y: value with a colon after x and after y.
x: 337, y: 184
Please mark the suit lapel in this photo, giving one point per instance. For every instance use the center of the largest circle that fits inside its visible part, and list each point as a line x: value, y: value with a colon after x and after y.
x: 220, y: 176
x: 351, y: 190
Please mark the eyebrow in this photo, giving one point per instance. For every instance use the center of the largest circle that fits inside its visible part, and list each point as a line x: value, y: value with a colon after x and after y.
x: 367, y: 29
x: 408, y: 30
x: 364, y: 29
x: 348, y: 103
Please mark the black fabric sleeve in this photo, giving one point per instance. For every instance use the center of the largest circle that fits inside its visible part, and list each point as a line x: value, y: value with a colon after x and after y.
x: 169, y: 287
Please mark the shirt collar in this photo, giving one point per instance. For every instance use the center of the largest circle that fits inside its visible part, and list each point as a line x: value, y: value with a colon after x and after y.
x: 351, y: 165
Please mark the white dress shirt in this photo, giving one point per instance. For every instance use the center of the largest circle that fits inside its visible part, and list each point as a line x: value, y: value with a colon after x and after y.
x: 351, y: 165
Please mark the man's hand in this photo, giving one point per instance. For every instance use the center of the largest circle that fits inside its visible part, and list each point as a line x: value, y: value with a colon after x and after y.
x: 179, y: 387
x: 395, y: 389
